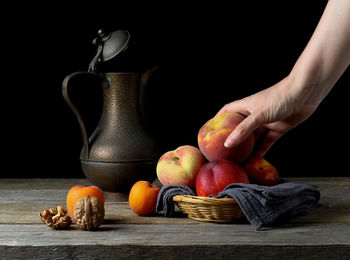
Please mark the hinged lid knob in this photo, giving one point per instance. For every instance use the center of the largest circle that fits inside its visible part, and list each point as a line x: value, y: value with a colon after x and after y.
x: 108, y: 46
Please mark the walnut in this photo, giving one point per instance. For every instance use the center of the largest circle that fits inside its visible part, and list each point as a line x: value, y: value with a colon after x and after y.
x: 56, y: 218
x: 89, y: 213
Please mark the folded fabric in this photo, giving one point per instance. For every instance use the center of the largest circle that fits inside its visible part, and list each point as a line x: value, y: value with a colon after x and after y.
x: 262, y: 205
x: 165, y: 204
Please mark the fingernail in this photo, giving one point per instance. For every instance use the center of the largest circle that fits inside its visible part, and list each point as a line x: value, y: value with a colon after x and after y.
x: 227, y: 144
x: 230, y: 141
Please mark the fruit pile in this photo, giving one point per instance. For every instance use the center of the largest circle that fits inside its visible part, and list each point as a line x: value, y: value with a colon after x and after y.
x: 207, y: 170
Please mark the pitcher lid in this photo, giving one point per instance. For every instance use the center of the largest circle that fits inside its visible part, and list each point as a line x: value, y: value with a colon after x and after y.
x: 109, y: 46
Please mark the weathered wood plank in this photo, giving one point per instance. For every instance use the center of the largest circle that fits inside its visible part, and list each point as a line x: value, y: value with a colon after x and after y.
x: 174, y: 241
x: 64, y: 184
x: 22, y: 207
x: 207, y: 234
x: 33, y: 196
x: 333, y: 207
x: 323, y: 233
x: 41, y: 184
x: 330, y: 183
x: 57, y: 185
x: 19, y: 206
x: 170, y: 252
x: 116, y: 213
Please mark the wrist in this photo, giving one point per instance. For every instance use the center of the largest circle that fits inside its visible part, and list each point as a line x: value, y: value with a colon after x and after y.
x: 309, y: 83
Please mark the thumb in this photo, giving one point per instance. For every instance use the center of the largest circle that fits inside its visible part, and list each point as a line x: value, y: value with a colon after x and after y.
x: 242, y: 131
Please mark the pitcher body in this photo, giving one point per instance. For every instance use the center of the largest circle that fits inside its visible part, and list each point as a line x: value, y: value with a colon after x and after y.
x: 120, y: 151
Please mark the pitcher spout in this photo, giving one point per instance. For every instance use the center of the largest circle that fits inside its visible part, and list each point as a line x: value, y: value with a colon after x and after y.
x: 143, y: 83
x: 146, y: 76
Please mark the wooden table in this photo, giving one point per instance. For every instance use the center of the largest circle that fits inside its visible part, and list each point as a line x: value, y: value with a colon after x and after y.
x: 324, y: 233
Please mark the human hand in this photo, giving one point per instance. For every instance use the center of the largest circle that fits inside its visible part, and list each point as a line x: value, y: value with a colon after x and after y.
x: 269, y: 113
x: 274, y: 111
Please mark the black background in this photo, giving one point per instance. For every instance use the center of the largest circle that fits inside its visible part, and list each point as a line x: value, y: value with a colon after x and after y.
x: 208, y: 55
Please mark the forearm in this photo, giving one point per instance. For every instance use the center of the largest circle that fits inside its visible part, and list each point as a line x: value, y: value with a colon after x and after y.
x: 327, y: 54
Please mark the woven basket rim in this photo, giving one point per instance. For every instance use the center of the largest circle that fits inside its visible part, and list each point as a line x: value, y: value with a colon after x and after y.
x: 204, y: 200
x: 221, y: 210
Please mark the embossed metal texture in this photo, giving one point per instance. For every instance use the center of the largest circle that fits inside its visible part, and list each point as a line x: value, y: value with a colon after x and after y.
x: 120, y: 151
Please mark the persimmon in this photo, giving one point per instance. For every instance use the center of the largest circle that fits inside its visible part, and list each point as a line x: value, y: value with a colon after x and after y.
x: 78, y: 192
x: 143, y: 197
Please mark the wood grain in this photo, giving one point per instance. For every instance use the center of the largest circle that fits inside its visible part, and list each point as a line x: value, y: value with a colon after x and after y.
x: 22, y: 199
x: 64, y: 184
x: 323, y: 233
x: 116, y: 213
x: 213, y: 241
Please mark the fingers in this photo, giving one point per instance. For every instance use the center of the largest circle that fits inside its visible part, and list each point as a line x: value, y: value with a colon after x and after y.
x: 267, y: 142
x: 235, y: 106
x: 259, y: 131
x: 242, y: 131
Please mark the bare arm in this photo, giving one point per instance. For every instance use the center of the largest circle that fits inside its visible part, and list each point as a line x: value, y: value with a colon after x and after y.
x: 279, y: 108
x: 327, y: 54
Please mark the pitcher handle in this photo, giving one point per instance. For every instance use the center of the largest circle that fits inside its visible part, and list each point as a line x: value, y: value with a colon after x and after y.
x: 74, y: 109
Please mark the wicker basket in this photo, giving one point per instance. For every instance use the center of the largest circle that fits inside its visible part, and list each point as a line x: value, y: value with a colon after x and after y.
x: 223, y: 210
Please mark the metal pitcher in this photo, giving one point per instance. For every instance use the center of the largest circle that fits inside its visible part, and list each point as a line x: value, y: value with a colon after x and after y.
x: 120, y: 151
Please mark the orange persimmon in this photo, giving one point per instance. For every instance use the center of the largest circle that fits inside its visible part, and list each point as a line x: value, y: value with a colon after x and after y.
x: 143, y: 197
x: 78, y: 192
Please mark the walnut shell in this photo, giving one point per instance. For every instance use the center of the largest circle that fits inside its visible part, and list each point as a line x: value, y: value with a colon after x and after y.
x: 56, y: 218
x: 89, y: 213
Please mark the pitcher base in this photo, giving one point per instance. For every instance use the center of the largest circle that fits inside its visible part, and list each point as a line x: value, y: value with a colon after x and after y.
x: 118, y: 177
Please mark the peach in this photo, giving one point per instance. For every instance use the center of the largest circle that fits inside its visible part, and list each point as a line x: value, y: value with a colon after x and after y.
x: 261, y: 171
x: 212, y: 136
x: 180, y: 167
x: 214, y: 176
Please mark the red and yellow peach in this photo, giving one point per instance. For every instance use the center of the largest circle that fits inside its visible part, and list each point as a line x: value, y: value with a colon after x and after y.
x: 212, y: 136
x: 261, y: 171
x: 180, y: 167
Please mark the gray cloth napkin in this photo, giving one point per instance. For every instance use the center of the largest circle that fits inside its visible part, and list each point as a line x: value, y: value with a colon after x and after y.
x: 165, y: 204
x: 262, y: 205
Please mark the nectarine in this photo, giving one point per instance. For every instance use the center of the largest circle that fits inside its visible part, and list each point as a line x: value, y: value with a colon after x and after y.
x: 214, y: 176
